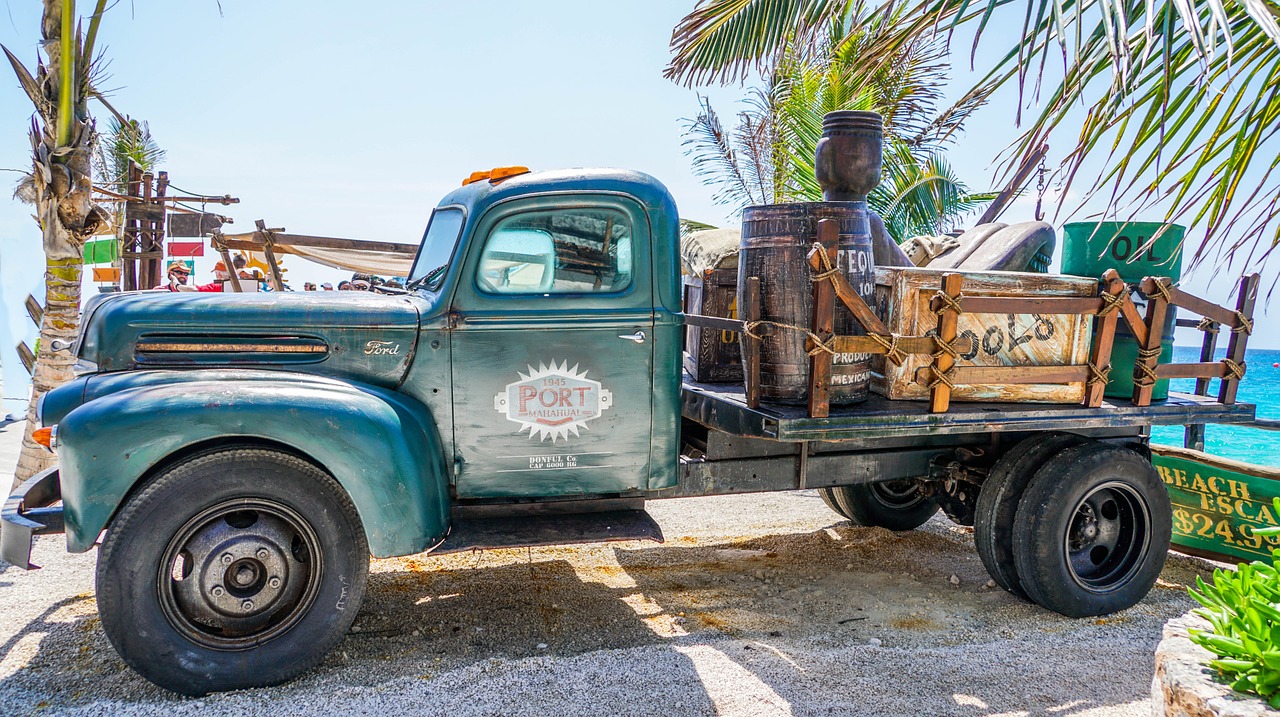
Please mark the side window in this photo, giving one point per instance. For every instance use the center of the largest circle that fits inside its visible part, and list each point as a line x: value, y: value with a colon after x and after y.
x: 559, y: 251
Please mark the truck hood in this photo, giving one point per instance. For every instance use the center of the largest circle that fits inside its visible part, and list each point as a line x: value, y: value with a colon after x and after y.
x: 356, y: 335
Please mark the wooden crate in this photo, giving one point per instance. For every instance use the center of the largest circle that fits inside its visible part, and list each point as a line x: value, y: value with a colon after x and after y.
x: 902, y: 302
x: 711, y: 355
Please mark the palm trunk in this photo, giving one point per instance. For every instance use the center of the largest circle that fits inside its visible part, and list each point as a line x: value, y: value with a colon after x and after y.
x: 61, y: 173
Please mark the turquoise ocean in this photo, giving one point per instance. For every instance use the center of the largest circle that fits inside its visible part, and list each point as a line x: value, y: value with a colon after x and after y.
x: 1261, y: 386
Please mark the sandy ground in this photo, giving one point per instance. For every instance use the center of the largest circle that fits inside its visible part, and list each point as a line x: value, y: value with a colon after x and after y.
x: 755, y: 605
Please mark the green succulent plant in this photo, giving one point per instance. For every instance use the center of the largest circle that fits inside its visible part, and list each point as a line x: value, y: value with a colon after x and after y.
x: 1243, y: 606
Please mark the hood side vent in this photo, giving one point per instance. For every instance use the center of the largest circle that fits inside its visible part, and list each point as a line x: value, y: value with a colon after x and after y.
x: 228, y: 348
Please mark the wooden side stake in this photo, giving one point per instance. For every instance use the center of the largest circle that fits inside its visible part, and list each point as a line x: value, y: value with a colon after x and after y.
x: 1105, y: 335
x: 1239, y: 339
x: 750, y: 346
x: 948, y: 318
x: 823, y: 325
x: 1144, y: 380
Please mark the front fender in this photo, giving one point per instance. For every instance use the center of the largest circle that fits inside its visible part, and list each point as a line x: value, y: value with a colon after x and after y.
x: 382, y: 447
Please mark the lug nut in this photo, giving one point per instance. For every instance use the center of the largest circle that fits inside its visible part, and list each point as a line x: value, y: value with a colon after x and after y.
x: 227, y: 558
x: 217, y: 591
x: 274, y: 583
x: 247, y: 605
x: 263, y: 554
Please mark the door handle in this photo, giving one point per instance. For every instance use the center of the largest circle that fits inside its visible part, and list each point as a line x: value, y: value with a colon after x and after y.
x: 637, y: 337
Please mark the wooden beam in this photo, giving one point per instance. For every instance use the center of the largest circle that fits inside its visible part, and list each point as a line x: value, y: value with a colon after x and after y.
x: 940, y: 399
x: 1206, y: 370
x: 1199, y: 306
x: 1157, y: 307
x: 1104, y: 340
x: 750, y: 346
x: 868, y: 345
x: 34, y: 309
x: 823, y: 324
x: 713, y: 322
x: 1031, y: 305
x: 972, y: 375
x: 268, y: 241
x: 283, y: 240
x: 1248, y: 296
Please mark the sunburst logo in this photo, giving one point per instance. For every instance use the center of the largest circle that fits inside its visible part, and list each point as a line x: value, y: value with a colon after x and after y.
x: 553, y: 401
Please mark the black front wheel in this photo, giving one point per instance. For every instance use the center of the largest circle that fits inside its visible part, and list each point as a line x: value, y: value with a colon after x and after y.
x: 1092, y: 531
x: 895, y: 504
x: 235, y: 569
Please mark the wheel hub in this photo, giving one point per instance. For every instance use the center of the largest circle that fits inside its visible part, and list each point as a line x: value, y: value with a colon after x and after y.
x: 240, y: 574
x: 1107, y: 537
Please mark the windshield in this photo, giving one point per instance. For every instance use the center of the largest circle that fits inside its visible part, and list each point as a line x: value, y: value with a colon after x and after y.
x: 437, y: 247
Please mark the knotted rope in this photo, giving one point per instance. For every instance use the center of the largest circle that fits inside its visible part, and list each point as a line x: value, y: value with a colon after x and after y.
x: 1207, y: 325
x: 820, y: 346
x: 942, y: 378
x: 1161, y: 291
x: 891, y: 350
x: 949, y: 303
x: 1111, y: 303
x: 1244, y: 324
x: 1099, y: 375
x: 1234, y: 370
x: 828, y: 271
x: 1147, y: 374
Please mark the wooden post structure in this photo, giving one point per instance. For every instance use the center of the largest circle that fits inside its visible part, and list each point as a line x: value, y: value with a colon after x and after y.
x: 751, y: 345
x: 1144, y: 374
x: 225, y: 253
x: 823, y: 326
x: 1105, y: 334
x: 265, y: 235
x: 1239, y: 338
x: 129, y: 244
x: 946, y: 306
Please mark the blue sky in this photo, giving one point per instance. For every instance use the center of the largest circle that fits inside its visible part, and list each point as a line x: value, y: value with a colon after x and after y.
x: 352, y: 119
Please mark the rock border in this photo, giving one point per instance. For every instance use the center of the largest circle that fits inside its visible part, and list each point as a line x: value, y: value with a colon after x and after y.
x: 1184, y: 685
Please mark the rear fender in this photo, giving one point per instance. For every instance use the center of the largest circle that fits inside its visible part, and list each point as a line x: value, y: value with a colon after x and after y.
x: 382, y: 447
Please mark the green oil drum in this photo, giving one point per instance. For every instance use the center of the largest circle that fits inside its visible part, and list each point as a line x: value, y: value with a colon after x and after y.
x: 1090, y: 248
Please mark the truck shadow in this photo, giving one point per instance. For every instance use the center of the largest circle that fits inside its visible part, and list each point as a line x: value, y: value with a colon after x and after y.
x: 785, y: 620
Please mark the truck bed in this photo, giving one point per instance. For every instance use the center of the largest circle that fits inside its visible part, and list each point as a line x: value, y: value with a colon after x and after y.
x: 723, y: 407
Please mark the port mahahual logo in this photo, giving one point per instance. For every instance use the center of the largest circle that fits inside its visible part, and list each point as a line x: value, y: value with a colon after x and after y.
x: 553, y: 401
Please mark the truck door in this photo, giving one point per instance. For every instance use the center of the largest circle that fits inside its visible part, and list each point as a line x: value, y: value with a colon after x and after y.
x: 553, y: 350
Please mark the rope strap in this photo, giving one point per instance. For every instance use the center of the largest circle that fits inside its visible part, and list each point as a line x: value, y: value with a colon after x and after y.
x: 1147, y: 375
x: 949, y: 303
x: 890, y: 346
x: 1207, y: 325
x: 1099, y: 375
x: 828, y: 271
x: 941, y: 378
x: 1244, y: 324
x: 820, y: 346
x: 1111, y: 303
x: 1161, y: 291
x: 1234, y: 370
x: 944, y: 349
x: 1148, y: 354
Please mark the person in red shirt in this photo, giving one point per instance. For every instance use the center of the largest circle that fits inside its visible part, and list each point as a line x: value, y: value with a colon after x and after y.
x: 221, y: 275
x: 178, y: 275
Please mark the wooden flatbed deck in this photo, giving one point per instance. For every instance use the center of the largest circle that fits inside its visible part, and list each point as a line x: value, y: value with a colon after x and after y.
x: 723, y: 407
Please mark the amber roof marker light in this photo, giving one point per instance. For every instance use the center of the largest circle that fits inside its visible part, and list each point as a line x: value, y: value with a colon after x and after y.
x: 495, y: 175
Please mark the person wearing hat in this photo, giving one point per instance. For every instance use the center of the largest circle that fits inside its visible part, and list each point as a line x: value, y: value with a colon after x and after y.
x: 178, y: 275
x: 326, y: 286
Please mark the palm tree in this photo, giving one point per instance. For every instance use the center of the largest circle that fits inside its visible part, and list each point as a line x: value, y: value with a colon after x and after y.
x: 61, y: 139
x: 1181, y: 98
x: 768, y: 157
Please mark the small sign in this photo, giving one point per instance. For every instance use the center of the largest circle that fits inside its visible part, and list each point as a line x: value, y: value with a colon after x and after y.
x: 143, y: 212
x: 1217, y: 503
x: 193, y: 225
x: 186, y: 248
x: 101, y: 250
x: 106, y: 274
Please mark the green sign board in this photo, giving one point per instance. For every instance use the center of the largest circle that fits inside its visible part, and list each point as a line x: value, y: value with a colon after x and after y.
x: 1218, y: 502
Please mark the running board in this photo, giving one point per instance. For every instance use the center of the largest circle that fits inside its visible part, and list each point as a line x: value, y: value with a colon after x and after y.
x: 520, y: 531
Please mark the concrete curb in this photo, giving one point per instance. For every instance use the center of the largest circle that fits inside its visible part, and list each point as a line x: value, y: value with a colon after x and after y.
x: 1184, y: 685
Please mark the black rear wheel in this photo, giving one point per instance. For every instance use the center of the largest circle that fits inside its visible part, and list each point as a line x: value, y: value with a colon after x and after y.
x: 235, y: 569
x: 896, y: 504
x: 1092, y: 531
x: 998, y: 503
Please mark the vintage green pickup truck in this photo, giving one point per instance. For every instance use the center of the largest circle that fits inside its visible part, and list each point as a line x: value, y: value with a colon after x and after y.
x: 239, y: 457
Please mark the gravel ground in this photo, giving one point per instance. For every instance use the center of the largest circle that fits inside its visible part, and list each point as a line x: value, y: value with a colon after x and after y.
x: 755, y: 605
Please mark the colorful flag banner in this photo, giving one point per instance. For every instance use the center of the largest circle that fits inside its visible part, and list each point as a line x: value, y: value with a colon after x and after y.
x: 101, y: 250
x: 186, y: 248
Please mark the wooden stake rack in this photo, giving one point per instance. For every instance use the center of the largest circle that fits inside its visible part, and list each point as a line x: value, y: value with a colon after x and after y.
x: 1112, y: 303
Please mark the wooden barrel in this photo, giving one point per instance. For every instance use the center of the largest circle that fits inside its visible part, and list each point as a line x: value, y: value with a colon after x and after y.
x: 776, y: 239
